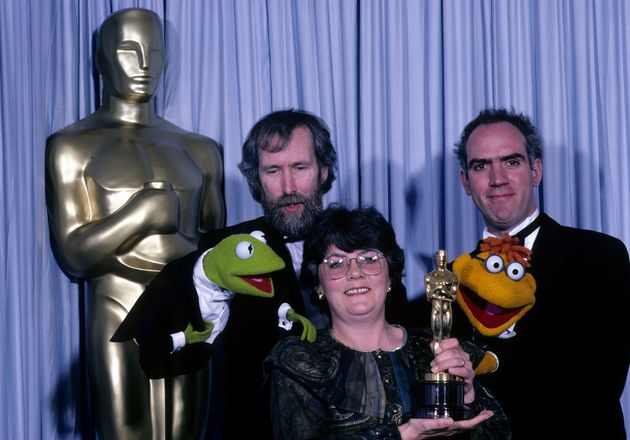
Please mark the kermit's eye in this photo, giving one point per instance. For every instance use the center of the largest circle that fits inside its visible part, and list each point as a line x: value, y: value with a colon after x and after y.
x: 515, y: 271
x: 494, y: 263
x: 260, y: 235
x: 244, y: 250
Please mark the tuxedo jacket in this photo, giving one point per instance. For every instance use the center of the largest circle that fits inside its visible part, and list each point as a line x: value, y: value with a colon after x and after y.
x: 170, y: 302
x: 562, y: 374
x: 238, y: 402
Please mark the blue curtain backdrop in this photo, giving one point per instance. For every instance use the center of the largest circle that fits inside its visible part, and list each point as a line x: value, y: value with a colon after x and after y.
x: 396, y: 81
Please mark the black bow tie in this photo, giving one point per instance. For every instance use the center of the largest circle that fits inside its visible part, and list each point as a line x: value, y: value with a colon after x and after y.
x: 293, y: 239
x: 527, y: 230
x: 521, y: 235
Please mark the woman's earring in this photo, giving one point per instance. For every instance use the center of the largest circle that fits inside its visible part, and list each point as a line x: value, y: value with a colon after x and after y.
x: 389, y: 288
x: 320, y: 295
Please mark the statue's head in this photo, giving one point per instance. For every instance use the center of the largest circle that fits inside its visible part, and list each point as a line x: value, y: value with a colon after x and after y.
x: 130, y: 54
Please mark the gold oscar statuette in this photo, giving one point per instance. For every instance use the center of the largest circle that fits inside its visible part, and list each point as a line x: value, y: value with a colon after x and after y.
x: 441, y: 394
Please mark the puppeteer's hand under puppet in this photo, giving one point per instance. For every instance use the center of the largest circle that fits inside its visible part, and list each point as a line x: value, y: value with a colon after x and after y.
x: 175, y: 335
x: 495, y: 291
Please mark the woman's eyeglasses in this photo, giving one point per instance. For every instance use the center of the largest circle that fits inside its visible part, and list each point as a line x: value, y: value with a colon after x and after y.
x: 370, y: 262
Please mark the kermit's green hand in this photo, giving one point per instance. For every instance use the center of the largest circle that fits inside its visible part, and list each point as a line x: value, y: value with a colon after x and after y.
x: 193, y: 336
x: 308, y: 329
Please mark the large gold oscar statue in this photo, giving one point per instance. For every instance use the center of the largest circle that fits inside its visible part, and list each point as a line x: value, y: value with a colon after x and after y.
x: 127, y: 192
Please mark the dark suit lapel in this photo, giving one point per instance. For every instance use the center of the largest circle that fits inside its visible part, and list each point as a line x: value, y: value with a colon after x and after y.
x: 546, y: 246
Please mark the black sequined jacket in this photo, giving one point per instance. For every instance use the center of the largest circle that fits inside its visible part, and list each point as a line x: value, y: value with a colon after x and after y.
x: 327, y: 390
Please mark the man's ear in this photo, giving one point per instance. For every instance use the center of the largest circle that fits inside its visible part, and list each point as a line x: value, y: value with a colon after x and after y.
x: 465, y: 183
x: 537, y: 172
x: 323, y: 174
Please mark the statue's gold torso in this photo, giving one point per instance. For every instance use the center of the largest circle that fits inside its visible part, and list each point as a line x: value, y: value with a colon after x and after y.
x: 119, y: 166
x: 109, y: 166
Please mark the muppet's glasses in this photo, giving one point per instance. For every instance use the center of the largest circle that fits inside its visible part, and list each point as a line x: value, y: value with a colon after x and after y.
x: 370, y: 262
x: 494, y: 264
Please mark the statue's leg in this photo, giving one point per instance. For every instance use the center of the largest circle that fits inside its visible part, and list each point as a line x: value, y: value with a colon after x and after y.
x: 187, y: 402
x: 119, y: 387
x: 436, y: 324
x: 447, y: 319
x: 436, y: 318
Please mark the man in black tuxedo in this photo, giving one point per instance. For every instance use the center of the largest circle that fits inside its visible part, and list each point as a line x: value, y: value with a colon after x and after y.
x: 563, y: 366
x: 289, y: 163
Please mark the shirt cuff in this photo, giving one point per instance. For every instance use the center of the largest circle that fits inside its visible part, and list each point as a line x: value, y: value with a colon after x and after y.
x: 283, y: 321
x: 179, y: 340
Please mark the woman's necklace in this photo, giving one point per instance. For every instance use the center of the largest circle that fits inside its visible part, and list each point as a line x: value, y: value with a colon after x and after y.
x: 389, y: 343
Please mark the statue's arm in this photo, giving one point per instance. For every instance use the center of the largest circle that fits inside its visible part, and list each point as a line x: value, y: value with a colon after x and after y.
x: 207, y: 156
x: 88, y: 237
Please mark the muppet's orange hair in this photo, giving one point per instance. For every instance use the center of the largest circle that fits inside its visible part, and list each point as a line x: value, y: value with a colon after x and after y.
x: 507, y: 246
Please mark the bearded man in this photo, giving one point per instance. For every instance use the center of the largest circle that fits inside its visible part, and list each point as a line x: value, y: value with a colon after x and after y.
x: 289, y: 162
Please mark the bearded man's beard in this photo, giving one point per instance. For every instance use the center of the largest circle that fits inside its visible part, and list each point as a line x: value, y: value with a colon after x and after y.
x: 293, y: 225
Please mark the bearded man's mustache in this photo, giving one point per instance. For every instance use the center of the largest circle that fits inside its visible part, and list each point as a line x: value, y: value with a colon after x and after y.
x: 293, y: 225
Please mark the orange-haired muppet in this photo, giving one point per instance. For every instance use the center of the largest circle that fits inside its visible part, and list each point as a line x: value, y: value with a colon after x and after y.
x: 494, y: 288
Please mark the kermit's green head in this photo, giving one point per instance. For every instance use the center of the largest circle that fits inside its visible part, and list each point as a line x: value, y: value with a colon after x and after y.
x: 242, y: 263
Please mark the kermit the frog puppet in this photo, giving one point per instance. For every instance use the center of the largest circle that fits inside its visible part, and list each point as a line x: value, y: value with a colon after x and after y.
x: 495, y: 290
x: 175, y: 333
x: 239, y: 264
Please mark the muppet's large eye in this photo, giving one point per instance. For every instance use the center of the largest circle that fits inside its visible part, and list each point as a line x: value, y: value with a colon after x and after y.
x: 244, y: 250
x: 260, y: 235
x: 494, y: 263
x: 515, y: 270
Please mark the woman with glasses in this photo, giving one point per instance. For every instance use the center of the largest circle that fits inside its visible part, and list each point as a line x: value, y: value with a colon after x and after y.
x: 356, y: 380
